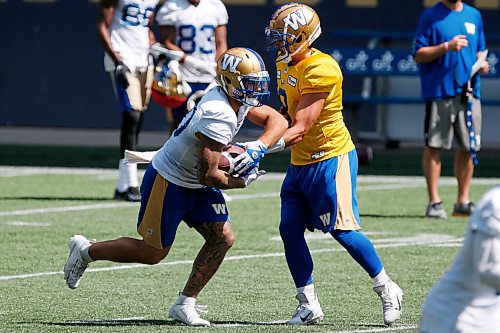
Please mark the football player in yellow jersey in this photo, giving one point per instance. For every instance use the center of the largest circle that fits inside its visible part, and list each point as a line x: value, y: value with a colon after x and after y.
x: 319, y: 190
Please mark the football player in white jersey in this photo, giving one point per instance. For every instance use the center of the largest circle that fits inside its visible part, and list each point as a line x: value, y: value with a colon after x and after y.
x: 124, y: 29
x: 198, y: 28
x: 183, y: 181
x: 467, y: 298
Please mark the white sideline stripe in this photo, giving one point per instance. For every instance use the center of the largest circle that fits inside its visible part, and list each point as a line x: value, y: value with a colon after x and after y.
x: 66, y: 209
x: 12, y: 171
x: 381, y: 183
x: 417, y: 240
x: 232, y: 196
x: 26, y: 224
x: 382, y: 329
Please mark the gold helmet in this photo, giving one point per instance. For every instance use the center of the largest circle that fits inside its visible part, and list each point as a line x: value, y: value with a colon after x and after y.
x: 242, y: 75
x: 168, y: 88
x: 292, y: 29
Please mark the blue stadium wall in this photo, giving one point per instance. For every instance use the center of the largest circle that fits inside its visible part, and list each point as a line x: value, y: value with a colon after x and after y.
x: 52, y: 72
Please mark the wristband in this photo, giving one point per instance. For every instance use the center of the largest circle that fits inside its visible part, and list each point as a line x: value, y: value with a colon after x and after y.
x: 445, y: 45
x: 278, y: 146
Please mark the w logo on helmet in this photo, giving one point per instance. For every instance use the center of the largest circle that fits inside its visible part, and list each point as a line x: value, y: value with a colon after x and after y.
x: 230, y: 61
x: 295, y: 19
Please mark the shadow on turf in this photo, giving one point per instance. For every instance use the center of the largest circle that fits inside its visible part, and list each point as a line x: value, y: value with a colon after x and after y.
x: 113, y: 322
x: 59, y: 198
x: 150, y: 322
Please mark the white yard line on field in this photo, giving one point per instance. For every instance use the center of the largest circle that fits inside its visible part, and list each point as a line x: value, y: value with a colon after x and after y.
x: 421, y: 239
x: 377, y: 183
x: 233, y: 197
x: 26, y: 224
x: 14, y: 171
x: 66, y: 209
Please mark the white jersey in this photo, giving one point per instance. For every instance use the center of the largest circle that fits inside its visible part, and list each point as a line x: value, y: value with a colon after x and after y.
x: 195, y: 27
x: 130, y: 33
x: 213, y: 116
x: 467, y: 298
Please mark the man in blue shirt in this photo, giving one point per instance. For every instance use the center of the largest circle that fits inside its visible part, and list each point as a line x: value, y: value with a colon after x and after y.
x: 448, y: 41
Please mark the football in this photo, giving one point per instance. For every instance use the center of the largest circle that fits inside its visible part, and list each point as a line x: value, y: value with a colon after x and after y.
x: 365, y: 154
x: 228, y: 154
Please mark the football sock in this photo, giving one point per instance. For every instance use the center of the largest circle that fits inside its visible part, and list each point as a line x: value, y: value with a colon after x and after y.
x: 297, y: 254
x: 122, y: 184
x: 84, y: 253
x: 308, y: 291
x: 361, y: 249
x: 185, y: 300
x: 131, y: 175
x: 381, y: 278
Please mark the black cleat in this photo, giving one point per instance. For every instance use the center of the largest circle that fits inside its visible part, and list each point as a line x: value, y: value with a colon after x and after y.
x: 463, y: 209
x: 132, y: 195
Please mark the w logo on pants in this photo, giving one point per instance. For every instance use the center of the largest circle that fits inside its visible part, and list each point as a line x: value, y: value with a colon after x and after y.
x: 219, y: 208
x: 325, y: 218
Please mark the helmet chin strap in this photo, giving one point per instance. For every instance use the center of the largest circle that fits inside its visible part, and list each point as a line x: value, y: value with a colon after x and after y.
x: 287, y: 58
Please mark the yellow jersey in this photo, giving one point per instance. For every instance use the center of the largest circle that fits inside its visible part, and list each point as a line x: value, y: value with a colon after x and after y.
x: 328, y: 137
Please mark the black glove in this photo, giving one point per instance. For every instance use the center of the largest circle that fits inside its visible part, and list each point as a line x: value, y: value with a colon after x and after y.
x: 121, y: 74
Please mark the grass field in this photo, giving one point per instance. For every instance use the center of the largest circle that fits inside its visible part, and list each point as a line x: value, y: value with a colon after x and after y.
x: 252, y: 292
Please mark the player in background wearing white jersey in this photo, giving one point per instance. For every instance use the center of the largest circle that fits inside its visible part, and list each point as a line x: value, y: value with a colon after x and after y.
x: 183, y: 181
x: 197, y: 28
x: 467, y: 298
x: 124, y: 30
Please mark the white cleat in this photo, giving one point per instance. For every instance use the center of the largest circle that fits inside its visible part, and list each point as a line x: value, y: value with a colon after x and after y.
x: 306, y: 313
x: 392, y: 301
x: 76, y: 265
x: 187, y: 314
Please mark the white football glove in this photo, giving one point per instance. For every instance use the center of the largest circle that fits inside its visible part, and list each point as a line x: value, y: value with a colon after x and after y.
x: 203, y: 66
x: 157, y: 49
x: 253, y: 175
x: 278, y: 146
x: 200, y: 65
x: 249, y: 159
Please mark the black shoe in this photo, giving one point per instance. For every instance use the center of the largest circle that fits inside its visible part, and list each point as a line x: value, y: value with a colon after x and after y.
x: 132, y: 195
x: 463, y: 209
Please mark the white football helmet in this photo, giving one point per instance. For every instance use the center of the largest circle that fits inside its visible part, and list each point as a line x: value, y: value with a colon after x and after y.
x: 292, y: 29
x: 242, y: 75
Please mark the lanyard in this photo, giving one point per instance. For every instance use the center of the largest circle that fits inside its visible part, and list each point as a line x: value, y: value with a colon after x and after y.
x: 470, y: 124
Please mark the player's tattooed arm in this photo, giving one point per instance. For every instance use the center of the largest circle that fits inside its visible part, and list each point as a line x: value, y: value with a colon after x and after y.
x: 208, y: 166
